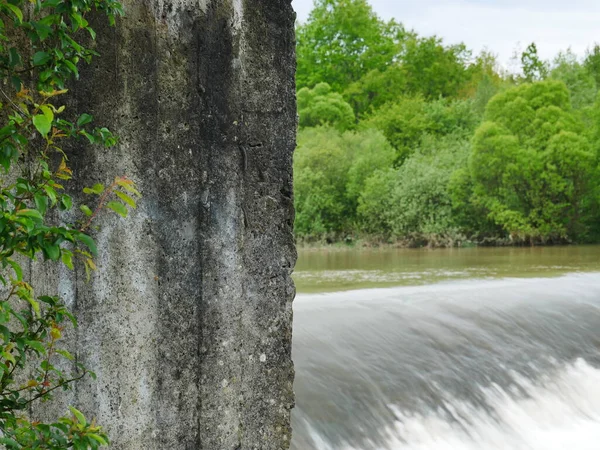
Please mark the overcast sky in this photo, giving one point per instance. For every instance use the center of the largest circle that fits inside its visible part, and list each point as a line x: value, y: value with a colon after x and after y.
x: 498, y: 25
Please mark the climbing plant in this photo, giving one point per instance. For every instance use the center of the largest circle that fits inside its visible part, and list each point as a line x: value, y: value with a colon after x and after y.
x: 42, y: 43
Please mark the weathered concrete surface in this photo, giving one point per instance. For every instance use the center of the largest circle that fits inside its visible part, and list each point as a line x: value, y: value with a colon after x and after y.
x: 188, y: 321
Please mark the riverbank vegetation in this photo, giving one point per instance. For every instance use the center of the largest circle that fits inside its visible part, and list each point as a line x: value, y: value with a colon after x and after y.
x: 407, y: 140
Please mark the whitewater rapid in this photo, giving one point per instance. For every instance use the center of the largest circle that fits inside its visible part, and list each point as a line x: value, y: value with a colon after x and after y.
x: 483, y: 364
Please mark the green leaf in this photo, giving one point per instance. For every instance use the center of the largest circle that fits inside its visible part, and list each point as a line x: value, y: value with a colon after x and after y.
x: 86, y: 210
x: 16, y: 82
x: 66, y: 354
x: 92, y: 32
x: 37, y: 346
x: 41, y: 58
x: 42, y: 124
x: 126, y: 198
x: 80, y: 417
x: 11, y: 443
x: 14, y: 58
x: 128, y: 186
x: 72, y: 67
x: 51, y: 251
x: 90, y: 137
x: 84, y: 119
x: 95, y: 189
x: 41, y: 203
x: 48, y: 113
x: 67, y: 202
x: 98, y: 438
x: 34, y: 304
x: 51, y: 193
x: 89, y: 242
x: 31, y: 213
x: 17, y: 268
x: 67, y: 259
x: 117, y: 207
x: 16, y: 11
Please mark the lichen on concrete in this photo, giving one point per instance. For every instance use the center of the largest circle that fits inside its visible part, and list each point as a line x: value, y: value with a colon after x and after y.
x: 188, y: 322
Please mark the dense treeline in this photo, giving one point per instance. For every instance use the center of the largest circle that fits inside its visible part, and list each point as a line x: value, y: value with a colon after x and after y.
x: 406, y: 139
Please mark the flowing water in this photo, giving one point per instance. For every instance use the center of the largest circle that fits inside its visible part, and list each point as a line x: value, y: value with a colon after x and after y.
x: 468, y: 349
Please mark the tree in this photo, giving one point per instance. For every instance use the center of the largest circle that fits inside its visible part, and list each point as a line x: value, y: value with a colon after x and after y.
x: 433, y: 70
x: 534, y: 69
x: 485, y: 80
x: 581, y: 84
x: 376, y: 89
x: 531, y: 166
x: 330, y: 170
x: 342, y: 41
x: 321, y: 106
x: 407, y: 120
x: 413, y: 202
x: 41, y: 45
x: 592, y: 62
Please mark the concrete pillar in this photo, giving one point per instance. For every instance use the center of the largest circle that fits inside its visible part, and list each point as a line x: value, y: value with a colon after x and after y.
x: 188, y: 322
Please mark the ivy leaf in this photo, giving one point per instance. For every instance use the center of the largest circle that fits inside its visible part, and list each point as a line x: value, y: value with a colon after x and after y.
x: 126, y: 198
x: 51, y: 193
x: 128, y: 185
x: 66, y: 202
x: 98, y: 438
x: 14, y: 58
x: 89, y: 242
x: 41, y: 58
x: 117, y: 207
x: 86, y: 210
x: 51, y: 251
x: 35, y: 305
x: 31, y: 213
x: 95, y: 189
x: 73, y: 68
x: 37, y: 346
x: 67, y: 259
x: 48, y: 113
x: 66, y: 354
x: 84, y: 119
x: 17, y: 268
x: 16, y: 82
x: 80, y: 417
x: 10, y: 443
x: 41, y: 202
x: 42, y: 124
x: 16, y: 11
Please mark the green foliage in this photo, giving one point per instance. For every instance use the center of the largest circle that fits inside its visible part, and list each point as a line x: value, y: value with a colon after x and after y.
x: 530, y: 165
x: 44, y: 39
x: 413, y: 202
x: 331, y: 169
x: 342, y: 41
x: 376, y: 89
x: 320, y: 106
x: 581, y: 84
x: 406, y: 121
x: 463, y: 150
x: 534, y: 69
x: 375, y: 203
x: 484, y: 82
x: 403, y: 123
x: 433, y: 70
x: 592, y: 63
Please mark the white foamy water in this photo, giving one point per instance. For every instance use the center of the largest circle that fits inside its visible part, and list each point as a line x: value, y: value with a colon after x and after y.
x: 563, y: 412
x: 463, y: 365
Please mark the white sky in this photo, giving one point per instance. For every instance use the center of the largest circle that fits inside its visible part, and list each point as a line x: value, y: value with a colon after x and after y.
x: 498, y: 25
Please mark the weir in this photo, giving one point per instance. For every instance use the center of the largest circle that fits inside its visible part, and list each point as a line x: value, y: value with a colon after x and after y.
x: 188, y: 321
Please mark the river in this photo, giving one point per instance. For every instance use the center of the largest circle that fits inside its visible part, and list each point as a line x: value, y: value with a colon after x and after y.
x: 468, y: 349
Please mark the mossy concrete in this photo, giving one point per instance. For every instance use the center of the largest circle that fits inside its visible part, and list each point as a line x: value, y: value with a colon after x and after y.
x: 188, y: 320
